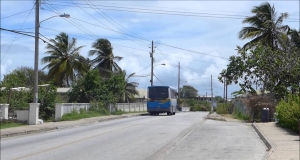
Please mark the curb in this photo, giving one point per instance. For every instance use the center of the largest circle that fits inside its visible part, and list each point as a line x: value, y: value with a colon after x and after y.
x: 8, y: 135
x: 215, y: 117
x: 269, y: 145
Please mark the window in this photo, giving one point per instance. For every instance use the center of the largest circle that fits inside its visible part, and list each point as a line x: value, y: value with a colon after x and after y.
x: 158, y: 93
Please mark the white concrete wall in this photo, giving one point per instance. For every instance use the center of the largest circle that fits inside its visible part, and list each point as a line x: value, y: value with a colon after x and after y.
x: 22, y: 115
x: 185, y: 109
x: 131, y: 107
x: 63, y: 108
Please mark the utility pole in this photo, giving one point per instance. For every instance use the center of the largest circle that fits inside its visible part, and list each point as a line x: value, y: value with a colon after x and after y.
x: 224, y: 88
x: 226, y: 92
x: 212, y: 94
x: 151, y: 55
x: 206, y: 97
x: 178, y: 82
x: 36, y: 55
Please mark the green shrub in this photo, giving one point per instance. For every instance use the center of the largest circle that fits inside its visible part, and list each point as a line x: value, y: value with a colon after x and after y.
x: 241, y: 116
x: 288, y: 112
x: 222, y: 108
x: 198, y: 108
x: 47, y: 99
x: 237, y: 114
x: 118, y: 112
x: 98, y: 107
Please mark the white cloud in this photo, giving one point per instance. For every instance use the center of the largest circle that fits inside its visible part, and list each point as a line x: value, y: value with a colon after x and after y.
x: 206, y: 35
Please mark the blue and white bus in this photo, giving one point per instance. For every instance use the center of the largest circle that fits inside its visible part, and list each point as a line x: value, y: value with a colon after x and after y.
x: 161, y: 99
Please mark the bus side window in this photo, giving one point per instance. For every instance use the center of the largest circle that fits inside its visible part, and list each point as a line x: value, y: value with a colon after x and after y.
x: 172, y: 94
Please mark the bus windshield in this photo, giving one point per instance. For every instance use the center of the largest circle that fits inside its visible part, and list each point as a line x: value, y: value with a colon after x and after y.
x: 158, y: 93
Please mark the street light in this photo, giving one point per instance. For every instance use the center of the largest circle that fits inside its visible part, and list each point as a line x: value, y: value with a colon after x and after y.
x: 36, y: 55
x: 152, y: 72
x: 62, y: 15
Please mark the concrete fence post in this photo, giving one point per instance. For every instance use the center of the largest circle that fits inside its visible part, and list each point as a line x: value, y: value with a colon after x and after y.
x: 33, y: 113
x: 58, y: 111
x: 4, y: 110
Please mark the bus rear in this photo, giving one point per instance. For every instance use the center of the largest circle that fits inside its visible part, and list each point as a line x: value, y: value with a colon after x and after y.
x: 161, y: 99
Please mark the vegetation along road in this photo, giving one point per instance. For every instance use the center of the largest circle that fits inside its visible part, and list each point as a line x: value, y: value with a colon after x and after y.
x: 184, y: 136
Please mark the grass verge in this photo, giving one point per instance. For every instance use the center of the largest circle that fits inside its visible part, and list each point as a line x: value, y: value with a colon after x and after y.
x: 10, y: 124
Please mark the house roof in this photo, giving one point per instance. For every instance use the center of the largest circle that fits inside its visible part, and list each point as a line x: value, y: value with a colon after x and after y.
x: 204, y: 96
x: 63, y: 90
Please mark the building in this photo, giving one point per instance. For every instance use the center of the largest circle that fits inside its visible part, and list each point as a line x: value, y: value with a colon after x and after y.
x: 207, y: 98
x: 143, y: 95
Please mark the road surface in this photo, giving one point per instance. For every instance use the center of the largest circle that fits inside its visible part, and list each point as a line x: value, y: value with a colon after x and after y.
x: 186, y: 135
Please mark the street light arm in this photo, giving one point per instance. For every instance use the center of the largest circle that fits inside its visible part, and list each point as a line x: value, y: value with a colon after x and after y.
x: 48, y: 18
x: 62, y: 15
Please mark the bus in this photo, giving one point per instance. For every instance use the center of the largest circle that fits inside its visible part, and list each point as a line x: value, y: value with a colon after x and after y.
x: 161, y: 99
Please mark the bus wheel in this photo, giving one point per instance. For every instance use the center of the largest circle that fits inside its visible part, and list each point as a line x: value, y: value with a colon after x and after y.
x: 174, y: 113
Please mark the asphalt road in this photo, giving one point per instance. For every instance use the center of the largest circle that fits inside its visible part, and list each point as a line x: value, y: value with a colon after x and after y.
x: 183, y: 136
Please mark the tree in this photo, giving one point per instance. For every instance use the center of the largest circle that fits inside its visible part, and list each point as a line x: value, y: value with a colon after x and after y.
x: 219, y: 99
x: 188, y: 92
x: 265, y: 27
x: 273, y: 70
x: 129, y: 89
x: 22, y: 77
x: 47, y: 101
x: 64, y: 61
x: 105, y: 61
x: 93, y: 87
x: 294, y: 37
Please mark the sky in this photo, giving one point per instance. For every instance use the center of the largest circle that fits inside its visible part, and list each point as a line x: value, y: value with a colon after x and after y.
x: 200, y: 35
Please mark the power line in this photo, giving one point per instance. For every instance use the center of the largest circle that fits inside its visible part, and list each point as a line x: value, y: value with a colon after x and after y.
x: 155, y: 42
x: 147, y: 40
x: 190, y: 50
x: 112, y: 43
x: 72, y: 22
x: 157, y: 11
x: 189, y: 9
x: 110, y: 20
x: 15, y: 37
x: 70, y: 33
x: 108, y: 28
x: 159, y: 80
x: 16, y: 14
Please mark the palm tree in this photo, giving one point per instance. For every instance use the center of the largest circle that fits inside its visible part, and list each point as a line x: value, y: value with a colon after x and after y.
x: 130, y: 88
x: 64, y: 61
x: 265, y: 27
x: 105, y: 60
x: 294, y: 38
